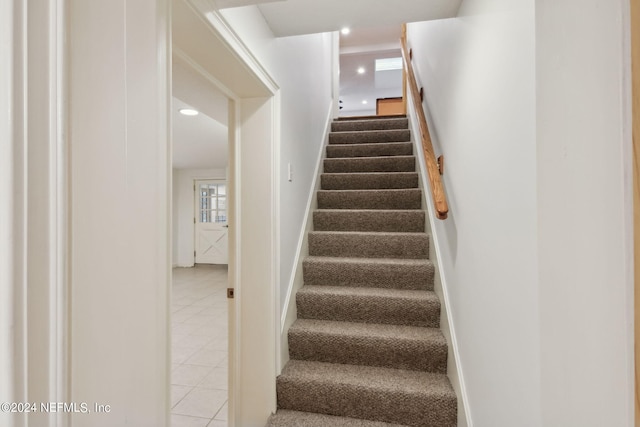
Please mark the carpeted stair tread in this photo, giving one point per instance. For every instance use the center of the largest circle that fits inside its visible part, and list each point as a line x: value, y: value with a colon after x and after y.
x: 393, y: 346
x: 369, y: 220
x: 287, y: 418
x: 369, y: 272
x: 370, y: 150
x: 370, y: 136
x: 368, y: 180
x: 390, y: 395
x: 369, y: 124
x: 369, y: 305
x: 365, y: 244
x: 370, y: 164
x: 409, y: 198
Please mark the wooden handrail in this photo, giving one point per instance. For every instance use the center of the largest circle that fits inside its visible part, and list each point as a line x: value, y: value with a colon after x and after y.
x: 437, y: 190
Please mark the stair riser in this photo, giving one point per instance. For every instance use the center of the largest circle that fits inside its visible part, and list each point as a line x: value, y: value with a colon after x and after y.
x: 382, y: 199
x: 350, y: 401
x: 414, y: 355
x: 395, y: 311
x: 376, y: 275
x: 359, y: 137
x: 393, y: 221
x: 370, y: 150
x: 414, y: 246
x: 369, y: 181
x: 371, y: 164
x: 373, y: 124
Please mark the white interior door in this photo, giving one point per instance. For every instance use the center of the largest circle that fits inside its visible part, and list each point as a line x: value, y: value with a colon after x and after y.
x: 211, y: 228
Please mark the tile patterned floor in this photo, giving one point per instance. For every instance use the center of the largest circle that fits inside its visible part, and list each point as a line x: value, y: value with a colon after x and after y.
x: 199, y: 347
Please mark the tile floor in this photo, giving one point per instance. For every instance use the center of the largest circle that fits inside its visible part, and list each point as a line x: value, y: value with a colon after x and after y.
x: 199, y: 347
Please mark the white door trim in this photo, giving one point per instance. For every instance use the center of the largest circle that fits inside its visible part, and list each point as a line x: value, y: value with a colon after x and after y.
x: 59, y: 207
x: 33, y: 121
x: 11, y: 190
x: 275, y: 251
x: 221, y: 28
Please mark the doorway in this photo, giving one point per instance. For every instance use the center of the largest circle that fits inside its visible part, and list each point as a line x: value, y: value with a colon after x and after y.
x: 199, y: 308
x: 251, y: 202
x: 202, y: 200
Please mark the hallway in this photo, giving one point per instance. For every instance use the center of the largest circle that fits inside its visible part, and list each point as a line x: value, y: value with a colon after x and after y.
x: 199, y: 347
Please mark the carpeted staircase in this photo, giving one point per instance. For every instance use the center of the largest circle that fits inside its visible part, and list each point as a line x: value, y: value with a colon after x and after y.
x: 366, y: 349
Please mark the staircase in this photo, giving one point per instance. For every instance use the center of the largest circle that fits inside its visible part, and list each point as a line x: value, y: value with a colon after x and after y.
x: 366, y: 349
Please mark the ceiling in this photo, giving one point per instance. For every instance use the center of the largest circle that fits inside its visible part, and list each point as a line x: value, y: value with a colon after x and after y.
x: 201, y: 141
x: 371, y: 39
x: 360, y: 48
x: 296, y: 17
x: 356, y: 88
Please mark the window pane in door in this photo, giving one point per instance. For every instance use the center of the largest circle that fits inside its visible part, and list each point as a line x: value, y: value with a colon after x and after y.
x: 213, y: 203
x: 205, y: 216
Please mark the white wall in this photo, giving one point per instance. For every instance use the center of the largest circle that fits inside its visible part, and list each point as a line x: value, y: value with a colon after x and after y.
x: 120, y: 182
x: 478, y: 74
x: 302, y: 68
x: 306, y: 107
x: 584, y: 207
x: 530, y: 106
x: 183, y: 208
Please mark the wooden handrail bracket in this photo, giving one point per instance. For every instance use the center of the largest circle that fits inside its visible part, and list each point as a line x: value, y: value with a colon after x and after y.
x: 437, y: 190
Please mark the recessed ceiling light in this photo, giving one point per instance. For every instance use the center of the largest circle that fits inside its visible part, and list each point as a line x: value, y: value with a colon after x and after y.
x: 188, y: 111
x: 361, y: 70
x: 364, y: 101
x: 345, y: 31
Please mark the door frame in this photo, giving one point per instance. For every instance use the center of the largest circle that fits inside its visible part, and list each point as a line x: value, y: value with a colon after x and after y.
x: 34, y: 224
x: 635, y: 81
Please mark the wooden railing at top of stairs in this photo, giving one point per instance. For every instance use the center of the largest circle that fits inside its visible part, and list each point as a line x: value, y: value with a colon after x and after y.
x: 437, y: 190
